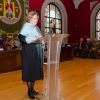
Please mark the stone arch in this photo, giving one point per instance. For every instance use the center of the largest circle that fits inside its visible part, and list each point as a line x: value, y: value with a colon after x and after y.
x: 92, y: 21
x: 62, y: 9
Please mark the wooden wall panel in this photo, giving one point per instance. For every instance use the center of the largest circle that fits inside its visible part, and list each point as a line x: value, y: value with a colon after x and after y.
x: 10, y: 60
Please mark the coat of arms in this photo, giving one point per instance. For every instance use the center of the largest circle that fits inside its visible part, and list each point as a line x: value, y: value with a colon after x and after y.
x: 11, y: 11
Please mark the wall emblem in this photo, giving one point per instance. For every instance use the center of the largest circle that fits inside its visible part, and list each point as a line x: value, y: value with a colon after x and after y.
x: 11, y: 11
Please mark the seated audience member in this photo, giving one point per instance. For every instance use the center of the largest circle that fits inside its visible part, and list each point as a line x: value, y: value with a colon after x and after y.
x: 98, y: 53
x: 2, y: 45
x: 86, y: 48
x: 17, y: 42
x: 7, y: 41
x: 79, y: 47
x: 12, y: 45
x: 1, y: 39
x: 94, y: 48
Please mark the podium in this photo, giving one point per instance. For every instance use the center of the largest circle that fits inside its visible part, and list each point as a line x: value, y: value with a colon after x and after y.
x: 53, y: 56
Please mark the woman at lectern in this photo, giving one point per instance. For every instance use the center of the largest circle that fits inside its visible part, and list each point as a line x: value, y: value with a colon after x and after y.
x: 32, y: 64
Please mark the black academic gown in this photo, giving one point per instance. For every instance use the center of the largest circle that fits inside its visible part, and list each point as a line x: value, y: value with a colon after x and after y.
x: 32, y: 60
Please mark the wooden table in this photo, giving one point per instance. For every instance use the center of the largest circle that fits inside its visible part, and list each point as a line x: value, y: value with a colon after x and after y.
x: 66, y: 53
x: 10, y: 60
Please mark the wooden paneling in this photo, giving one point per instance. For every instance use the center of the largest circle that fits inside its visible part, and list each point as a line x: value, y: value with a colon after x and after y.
x: 10, y: 60
x: 66, y: 53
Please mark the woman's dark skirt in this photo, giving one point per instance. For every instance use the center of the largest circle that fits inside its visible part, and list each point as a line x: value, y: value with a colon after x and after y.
x: 32, y: 62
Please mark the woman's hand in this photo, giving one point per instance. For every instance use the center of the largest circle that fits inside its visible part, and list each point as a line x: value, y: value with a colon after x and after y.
x: 40, y: 38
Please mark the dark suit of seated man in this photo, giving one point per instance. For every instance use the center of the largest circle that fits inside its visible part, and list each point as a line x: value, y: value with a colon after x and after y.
x: 86, y: 48
x: 94, y: 49
x: 79, y: 48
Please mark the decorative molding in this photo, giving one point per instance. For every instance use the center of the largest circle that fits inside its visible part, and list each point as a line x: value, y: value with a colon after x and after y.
x: 92, y: 4
x: 92, y: 21
x: 26, y: 9
x: 62, y: 9
x: 77, y: 3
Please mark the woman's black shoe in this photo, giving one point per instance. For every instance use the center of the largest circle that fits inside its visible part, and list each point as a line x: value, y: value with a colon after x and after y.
x: 34, y: 92
x: 30, y: 95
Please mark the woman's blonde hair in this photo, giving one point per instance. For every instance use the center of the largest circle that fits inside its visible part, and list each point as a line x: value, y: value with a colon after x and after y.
x: 30, y: 15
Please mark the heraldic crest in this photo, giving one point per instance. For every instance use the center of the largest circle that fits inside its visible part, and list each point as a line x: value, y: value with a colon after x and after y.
x: 10, y: 11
